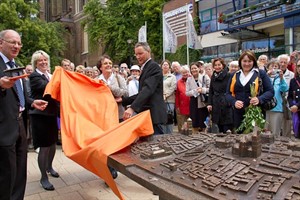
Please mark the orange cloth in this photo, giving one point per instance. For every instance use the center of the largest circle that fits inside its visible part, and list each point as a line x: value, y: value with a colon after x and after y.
x: 89, y: 122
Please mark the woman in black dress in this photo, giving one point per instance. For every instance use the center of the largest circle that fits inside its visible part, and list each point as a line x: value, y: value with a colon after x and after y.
x: 221, y: 110
x: 44, y: 123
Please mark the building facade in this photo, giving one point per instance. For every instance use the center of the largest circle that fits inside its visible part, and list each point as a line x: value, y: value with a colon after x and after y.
x: 228, y: 27
x: 70, y: 13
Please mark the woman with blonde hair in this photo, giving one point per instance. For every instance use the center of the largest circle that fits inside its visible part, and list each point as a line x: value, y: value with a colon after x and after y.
x: 43, y: 123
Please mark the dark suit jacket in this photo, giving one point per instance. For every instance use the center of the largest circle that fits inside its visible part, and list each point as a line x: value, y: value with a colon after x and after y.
x: 38, y: 84
x: 150, y: 94
x: 9, y: 111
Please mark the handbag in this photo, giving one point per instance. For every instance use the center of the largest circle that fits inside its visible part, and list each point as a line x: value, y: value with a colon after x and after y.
x: 272, y: 103
x: 170, y: 115
x: 269, y: 105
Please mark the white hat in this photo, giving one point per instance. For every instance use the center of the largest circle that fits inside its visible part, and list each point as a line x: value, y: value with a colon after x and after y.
x: 135, y: 67
x: 200, y: 61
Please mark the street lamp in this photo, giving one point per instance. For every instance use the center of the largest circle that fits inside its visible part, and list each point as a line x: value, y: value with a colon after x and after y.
x: 129, y: 41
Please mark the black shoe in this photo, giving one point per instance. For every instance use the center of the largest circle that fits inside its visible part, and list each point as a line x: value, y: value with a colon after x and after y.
x: 53, y: 173
x: 113, y: 172
x: 47, y: 185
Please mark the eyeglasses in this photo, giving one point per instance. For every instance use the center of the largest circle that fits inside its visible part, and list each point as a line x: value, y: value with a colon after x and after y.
x: 13, y: 43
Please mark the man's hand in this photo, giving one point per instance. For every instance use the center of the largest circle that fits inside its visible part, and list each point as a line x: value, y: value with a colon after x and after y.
x: 128, y: 113
x: 6, y: 83
x: 39, y: 104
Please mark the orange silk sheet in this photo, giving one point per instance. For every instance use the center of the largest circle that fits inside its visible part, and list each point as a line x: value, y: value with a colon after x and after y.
x: 89, y: 122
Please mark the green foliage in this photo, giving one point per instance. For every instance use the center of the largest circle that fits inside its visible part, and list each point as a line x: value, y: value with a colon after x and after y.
x: 253, y: 116
x: 36, y: 35
x: 120, y: 20
x: 181, y: 54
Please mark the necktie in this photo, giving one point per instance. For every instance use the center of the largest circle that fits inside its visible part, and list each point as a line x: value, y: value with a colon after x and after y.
x: 47, y: 77
x: 18, y: 87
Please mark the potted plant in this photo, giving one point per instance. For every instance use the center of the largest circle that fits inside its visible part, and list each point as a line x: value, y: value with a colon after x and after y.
x: 221, y: 17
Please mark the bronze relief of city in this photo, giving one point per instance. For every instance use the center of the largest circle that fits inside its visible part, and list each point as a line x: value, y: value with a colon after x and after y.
x: 221, y: 166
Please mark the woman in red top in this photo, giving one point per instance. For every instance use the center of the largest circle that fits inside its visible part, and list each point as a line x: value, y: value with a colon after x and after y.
x: 182, y: 102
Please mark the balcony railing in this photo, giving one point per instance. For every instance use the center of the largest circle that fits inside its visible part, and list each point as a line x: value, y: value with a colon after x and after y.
x: 260, y: 11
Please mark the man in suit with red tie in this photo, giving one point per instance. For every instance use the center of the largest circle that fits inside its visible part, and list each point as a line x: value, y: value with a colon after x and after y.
x: 13, y: 100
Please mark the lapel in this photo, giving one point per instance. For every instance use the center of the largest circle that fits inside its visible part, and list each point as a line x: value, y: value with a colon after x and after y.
x: 2, y: 68
x: 145, y: 69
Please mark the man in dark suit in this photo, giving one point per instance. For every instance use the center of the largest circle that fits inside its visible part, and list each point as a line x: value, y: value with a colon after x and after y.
x: 150, y: 95
x: 13, y: 143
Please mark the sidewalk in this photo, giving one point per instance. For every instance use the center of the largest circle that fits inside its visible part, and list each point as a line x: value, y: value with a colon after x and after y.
x: 76, y: 183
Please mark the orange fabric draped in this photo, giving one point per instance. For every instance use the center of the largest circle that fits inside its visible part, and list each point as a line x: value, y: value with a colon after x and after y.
x: 89, y: 122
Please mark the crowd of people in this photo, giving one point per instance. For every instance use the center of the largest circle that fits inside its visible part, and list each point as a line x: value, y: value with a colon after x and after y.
x: 173, y: 93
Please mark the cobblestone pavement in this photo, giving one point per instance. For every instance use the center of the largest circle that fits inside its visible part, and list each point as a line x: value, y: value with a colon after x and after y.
x: 76, y: 183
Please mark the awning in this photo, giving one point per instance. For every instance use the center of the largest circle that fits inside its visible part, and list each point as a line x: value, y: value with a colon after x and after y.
x: 243, y: 34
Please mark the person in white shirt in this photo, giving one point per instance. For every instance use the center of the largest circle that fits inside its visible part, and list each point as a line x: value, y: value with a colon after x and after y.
x: 283, y: 60
x: 133, y: 80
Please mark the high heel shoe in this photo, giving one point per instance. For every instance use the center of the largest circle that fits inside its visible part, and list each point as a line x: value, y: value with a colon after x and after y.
x: 47, y: 185
x: 53, y: 173
x: 113, y: 172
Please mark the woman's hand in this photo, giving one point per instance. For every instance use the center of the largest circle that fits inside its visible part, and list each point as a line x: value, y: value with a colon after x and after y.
x: 209, y: 108
x: 239, y: 104
x: 199, y: 90
x: 294, y: 108
x: 254, y: 101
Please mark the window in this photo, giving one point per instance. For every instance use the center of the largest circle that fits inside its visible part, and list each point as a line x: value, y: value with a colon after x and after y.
x: 85, y: 41
x: 206, y: 15
x: 297, y: 38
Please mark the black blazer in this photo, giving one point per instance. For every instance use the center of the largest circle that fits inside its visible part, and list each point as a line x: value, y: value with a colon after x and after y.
x: 9, y: 111
x: 38, y: 84
x: 150, y: 94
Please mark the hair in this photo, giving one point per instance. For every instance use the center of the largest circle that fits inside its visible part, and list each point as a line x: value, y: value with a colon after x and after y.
x: 175, y: 63
x: 272, y: 62
x: 234, y: 63
x: 263, y: 56
x: 3, y: 33
x: 206, y: 65
x: 195, y: 63
x: 65, y: 60
x: 167, y: 61
x: 145, y: 46
x: 79, y: 67
x: 99, y: 63
x: 250, y: 55
x: 124, y: 64
x: 221, y: 60
x: 284, y: 56
x: 36, y: 55
x: 185, y: 67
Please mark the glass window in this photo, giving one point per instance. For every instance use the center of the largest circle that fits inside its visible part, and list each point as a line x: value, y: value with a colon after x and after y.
x: 297, y: 36
x: 206, y: 15
x: 258, y: 46
x: 277, y: 43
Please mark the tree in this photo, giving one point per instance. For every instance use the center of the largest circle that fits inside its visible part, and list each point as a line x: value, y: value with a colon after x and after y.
x: 112, y: 24
x: 21, y: 15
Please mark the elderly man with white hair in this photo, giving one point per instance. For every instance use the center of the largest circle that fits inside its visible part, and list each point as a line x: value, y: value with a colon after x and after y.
x: 284, y: 60
x: 176, y: 67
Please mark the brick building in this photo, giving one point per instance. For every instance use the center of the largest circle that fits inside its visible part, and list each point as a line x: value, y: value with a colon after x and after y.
x: 70, y: 13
